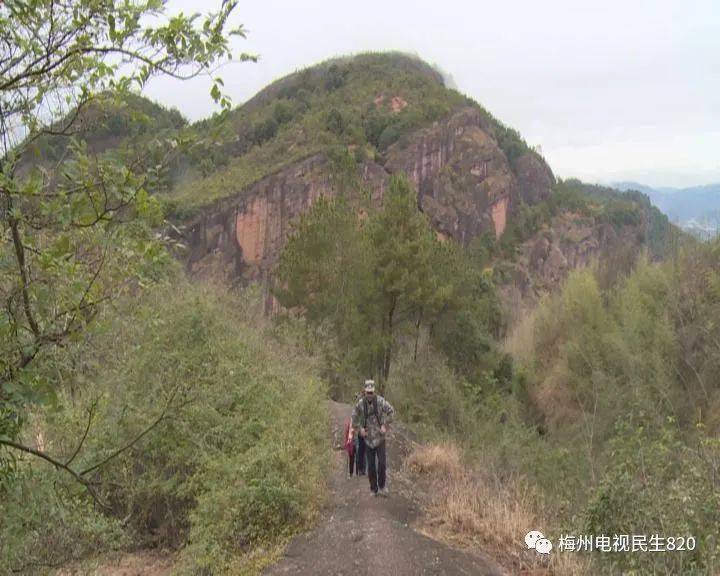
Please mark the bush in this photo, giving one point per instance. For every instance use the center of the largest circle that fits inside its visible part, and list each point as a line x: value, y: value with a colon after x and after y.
x: 428, y: 395
x: 46, y: 521
x: 622, y: 213
x: 569, y: 196
x: 221, y: 470
x: 658, y: 484
x: 616, y: 383
x: 282, y: 112
x: 335, y: 122
x: 335, y: 77
x: 264, y: 130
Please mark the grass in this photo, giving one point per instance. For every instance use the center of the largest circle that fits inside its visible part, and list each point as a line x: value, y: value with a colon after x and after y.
x: 477, y: 510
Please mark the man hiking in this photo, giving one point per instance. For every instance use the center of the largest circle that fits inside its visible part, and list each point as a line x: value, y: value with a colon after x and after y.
x: 370, y: 417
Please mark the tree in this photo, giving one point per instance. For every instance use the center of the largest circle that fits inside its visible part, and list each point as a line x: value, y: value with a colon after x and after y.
x: 402, y: 245
x: 326, y: 271
x: 368, y: 280
x: 74, y: 238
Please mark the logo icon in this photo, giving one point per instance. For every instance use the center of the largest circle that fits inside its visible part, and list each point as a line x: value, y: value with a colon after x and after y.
x: 537, y: 541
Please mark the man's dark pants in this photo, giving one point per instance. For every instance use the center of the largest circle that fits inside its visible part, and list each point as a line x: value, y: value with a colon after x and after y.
x: 376, y: 468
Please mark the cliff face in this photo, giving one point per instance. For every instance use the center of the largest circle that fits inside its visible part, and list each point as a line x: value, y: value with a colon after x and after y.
x: 571, y: 241
x: 465, y: 182
x: 465, y: 185
x: 241, y: 237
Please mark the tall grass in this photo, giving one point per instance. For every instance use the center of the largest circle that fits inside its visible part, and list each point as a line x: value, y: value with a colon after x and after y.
x: 475, y: 509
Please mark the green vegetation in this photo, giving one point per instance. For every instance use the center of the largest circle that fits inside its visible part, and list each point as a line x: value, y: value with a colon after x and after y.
x: 108, y: 120
x: 599, y: 204
x: 233, y: 402
x: 603, y: 399
x: 373, y: 287
x: 620, y: 382
x: 134, y: 410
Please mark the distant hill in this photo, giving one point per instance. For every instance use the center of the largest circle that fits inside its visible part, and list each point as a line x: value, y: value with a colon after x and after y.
x: 696, y: 209
x: 345, y: 126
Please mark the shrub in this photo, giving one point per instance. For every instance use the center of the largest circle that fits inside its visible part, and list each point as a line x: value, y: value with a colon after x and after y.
x: 657, y: 483
x: 264, y: 130
x: 335, y: 122
x: 622, y: 213
x: 220, y: 471
x: 46, y: 521
x: 428, y: 395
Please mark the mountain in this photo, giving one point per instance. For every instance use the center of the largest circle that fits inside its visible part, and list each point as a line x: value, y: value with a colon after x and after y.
x: 361, y: 119
x: 104, y: 123
x: 366, y: 103
x: 696, y: 209
x: 343, y: 127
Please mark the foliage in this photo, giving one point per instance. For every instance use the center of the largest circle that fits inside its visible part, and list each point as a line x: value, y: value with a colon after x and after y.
x: 220, y: 470
x: 617, y: 384
x: 73, y: 240
x: 367, y: 284
x: 78, y: 238
x: 107, y: 120
x: 657, y: 480
x: 601, y: 206
x: 429, y: 395
x: 405, y: 251
x: 326, y: 269
x: 44, y: 525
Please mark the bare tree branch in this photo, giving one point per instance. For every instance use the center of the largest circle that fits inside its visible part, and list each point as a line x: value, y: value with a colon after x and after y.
x: 91, y: 413
x: 59, y: 465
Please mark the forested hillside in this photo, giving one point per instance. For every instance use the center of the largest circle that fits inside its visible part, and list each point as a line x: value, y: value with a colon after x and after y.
x: 180, y: 301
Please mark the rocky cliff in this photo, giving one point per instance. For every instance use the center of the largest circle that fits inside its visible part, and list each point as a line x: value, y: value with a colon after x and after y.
x: 571, y: 240
x: 390, y: 113
x: 240, y: 238
x: 465, y: 184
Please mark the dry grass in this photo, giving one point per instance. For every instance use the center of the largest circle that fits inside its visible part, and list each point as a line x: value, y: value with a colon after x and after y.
x: 436, y: 459
x: 475, y: 511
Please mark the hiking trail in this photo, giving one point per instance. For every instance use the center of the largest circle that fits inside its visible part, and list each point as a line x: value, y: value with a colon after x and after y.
x: 361, y: 535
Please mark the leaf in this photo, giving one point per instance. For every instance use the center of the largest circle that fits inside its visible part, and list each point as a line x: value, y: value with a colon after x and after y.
x: 215, y: 92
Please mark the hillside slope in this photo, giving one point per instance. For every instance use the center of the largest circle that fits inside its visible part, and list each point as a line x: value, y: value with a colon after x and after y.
x: 342, y: 128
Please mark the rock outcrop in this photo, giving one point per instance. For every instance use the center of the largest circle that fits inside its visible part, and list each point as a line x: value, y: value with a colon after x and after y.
x: 535, y: 180
x: 544, y: 261
x: 464, y: 181
x: 240, y: 238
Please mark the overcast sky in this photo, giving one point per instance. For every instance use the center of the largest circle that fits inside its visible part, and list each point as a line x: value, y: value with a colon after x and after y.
x: 610, y: 90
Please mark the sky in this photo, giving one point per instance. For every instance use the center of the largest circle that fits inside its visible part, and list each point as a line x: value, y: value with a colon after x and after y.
x: 610, y: 90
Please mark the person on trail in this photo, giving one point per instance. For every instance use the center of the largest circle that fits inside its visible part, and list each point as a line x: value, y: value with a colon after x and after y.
x: 370, y: 417
x: 359, y: 445
x: 350, y: 447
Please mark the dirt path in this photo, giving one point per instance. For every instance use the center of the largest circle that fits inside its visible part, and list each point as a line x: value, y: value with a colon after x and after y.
x: 360, y: 535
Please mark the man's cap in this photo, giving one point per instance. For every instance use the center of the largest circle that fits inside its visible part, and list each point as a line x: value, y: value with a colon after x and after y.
x: 369, y: 386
